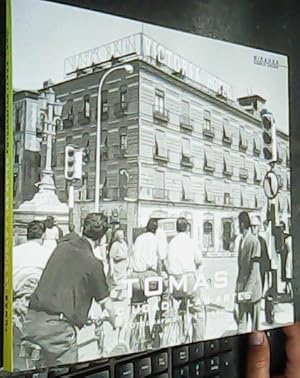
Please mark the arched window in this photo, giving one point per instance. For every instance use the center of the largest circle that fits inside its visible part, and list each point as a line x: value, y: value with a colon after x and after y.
x: 207, y: 234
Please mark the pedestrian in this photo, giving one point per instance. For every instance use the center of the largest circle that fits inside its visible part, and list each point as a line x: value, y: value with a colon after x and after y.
x: 29, y: 261
x: 184, y: 259
x: 60, y: 304
x: 248, y: 284
x: 118, y: 258
x: 52, y: 233
x: 289, y: 266
x: 264, y: 260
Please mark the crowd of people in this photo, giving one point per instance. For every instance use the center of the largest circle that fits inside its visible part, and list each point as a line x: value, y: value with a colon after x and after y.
x: 57, y: 279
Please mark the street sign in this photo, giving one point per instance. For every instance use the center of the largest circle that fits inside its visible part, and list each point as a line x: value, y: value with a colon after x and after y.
x: 271, y: 185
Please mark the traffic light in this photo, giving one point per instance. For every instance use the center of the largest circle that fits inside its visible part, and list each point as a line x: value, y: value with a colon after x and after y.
x: 85, y: 155
x: 269, y: 136
x: 73, y: 163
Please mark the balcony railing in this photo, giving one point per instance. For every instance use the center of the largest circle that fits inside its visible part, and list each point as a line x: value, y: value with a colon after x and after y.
x: 160, y: 114
x: 244, y: 173
x: 208, y: 131
x: 227, y: 139
x: 166, y: 194
x: 186, y: 123
x: 228, y: 171
x: 186, y: 162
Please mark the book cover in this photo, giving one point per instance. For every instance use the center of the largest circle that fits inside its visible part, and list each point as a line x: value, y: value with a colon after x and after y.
x: 151, y: 188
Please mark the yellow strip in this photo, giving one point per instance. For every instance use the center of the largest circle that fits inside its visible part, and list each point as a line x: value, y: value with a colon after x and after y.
x: 8, y: 294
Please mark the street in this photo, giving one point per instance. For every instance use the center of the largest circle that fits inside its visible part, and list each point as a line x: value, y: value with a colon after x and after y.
x: 220, y: 321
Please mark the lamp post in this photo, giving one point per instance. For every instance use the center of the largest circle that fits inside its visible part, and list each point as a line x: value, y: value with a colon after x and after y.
x: 128, y: 68
x: 51, y: 111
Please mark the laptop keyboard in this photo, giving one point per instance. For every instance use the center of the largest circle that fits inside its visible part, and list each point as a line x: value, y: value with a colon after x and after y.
x: 214, y: 358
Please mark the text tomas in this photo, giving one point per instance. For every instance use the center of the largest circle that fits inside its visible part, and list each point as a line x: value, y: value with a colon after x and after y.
x: 156, y: 286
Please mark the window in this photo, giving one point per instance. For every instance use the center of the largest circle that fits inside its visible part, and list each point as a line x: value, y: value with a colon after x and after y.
x: 256, y: 145
x: 227, y: 199
x: 85, y: 141
x: 207, y: 120
x: 243, y: 139
x: 18, y: 119
x: 227, y: 234
x: 287, y: 158
x: 185, y: 108
x: 185, y: 120
x: 208, y: 159
x: 208, y: 234
x: 186, y: 189
x: 159, y: 190
x: 242, y: 198
x: 288, y: 181
x: 86, y: 106
x: 16, y: 152
x: 243, y: 171
x: 104, y: 189
x: 186, y: 152
x: 67, y: 115
x: 226, y: 132
x: 161, y: 151
x: 123, y: 94
x: 227, y: 169
x: 104, y: 110
x: 123, y: 182
x: 159, y: 101
x: 123, y: 138
x: 257, y: 173
x: 209, y: 192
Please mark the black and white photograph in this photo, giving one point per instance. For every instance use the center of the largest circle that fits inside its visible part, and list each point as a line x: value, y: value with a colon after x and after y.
x: 151, y: 191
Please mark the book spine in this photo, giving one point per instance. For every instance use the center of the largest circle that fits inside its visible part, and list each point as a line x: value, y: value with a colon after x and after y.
x: 8, y: 223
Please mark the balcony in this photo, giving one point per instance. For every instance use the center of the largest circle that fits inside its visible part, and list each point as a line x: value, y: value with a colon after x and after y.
x: 227, y: 139
x: 244, y: 174
x: 186, y: 162
x: 209, y: 131
x: 227, y: 171
x: 256, y: 149
x: 243, y: 145
x: 160, y: 114
x: 186, y: 123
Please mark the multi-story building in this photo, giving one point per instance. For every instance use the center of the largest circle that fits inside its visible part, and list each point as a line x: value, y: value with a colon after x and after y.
x: 170, y: 147
x: 27, y: 145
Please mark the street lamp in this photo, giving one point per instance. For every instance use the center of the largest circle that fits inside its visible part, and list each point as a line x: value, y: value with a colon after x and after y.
x: 129, y: 69
x: 51, y: 111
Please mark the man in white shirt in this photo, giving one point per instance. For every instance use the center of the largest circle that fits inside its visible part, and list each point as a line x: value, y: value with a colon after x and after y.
x: 147, y: 260
x: 29, y: 261
x: 183, y: 260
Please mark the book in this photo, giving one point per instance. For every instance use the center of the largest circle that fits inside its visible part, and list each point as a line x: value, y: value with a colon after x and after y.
x: 148, y: 181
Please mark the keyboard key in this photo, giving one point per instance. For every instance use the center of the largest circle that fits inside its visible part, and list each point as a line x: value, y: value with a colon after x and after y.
x: 180, y: 355
x: 212, y: 365
x: 100, y: 374
x: 196, y: 351
x: 125, y: 370
x: 211, y: 347
x: 225, y: 344
x: 228, y: 364
x: 160, y: 362
x: 143, y: 367
x: 181, y: 372
x: 197, y: 369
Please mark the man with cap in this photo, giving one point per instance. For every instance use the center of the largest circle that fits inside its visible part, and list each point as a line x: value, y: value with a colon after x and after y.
x: 29, y: 261
x: 60, y: 304
x: 248, y: 284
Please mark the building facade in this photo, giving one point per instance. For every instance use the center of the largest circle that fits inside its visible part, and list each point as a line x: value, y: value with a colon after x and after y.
x: 169, y: 147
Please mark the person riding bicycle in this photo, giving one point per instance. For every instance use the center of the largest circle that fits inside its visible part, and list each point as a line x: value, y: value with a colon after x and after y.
x: 60, y: 304
x: 147, y: 261
x: 183, y: 260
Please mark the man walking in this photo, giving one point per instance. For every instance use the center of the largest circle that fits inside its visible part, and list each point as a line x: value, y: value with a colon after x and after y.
x: 248, y: 284
x: 184, y: 259
x: 60, y: 304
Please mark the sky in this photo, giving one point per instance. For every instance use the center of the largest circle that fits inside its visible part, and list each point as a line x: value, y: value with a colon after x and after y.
x: 44, y: 34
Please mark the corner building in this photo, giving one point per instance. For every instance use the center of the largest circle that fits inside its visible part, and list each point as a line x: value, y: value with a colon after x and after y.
x: 170, y: 147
